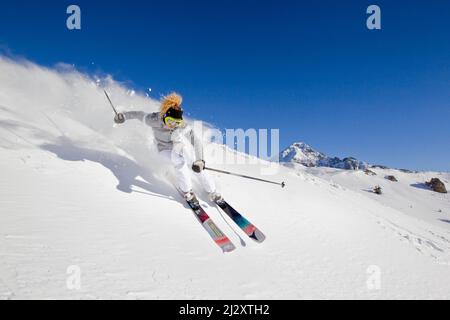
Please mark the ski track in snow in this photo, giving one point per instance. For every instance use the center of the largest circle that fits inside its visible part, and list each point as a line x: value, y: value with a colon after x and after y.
x: 79, y: 191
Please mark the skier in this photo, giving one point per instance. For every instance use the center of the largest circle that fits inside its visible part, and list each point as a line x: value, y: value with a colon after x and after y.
x: 171, y: 132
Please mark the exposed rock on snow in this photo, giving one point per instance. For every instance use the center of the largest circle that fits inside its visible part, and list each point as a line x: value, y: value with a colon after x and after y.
x: 408, y: 171
x: 436, y: 185
x: 391, y: 178
x: 377, y: 190
x: 369, y: 172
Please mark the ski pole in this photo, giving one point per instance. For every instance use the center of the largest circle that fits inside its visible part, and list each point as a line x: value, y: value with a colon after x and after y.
x: 112, y: 106
x: 282, y: 184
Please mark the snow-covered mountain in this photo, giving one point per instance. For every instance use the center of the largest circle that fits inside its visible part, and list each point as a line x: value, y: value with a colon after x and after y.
x: 302, y: 153
x: 86, y: 202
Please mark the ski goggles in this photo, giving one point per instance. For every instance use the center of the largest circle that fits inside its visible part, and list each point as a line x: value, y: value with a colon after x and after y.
x: 173, y: 122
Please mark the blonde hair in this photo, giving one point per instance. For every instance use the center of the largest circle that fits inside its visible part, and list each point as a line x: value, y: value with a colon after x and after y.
x: 173, y: 100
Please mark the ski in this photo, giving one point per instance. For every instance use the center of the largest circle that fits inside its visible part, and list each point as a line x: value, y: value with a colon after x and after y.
x: 246, y: 226
x: 213, y: 230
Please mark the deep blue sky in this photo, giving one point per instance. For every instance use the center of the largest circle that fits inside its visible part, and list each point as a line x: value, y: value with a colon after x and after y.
x: 310, y: 68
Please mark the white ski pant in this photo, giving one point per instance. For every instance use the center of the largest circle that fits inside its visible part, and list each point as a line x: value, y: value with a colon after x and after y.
x: 183, y: 172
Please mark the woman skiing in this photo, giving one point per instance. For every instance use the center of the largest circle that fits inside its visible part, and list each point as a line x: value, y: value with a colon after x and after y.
x: 170, y: 132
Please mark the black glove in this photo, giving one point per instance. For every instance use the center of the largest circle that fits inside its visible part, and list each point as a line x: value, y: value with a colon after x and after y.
x: 119, y: 118
x: 198, y: 165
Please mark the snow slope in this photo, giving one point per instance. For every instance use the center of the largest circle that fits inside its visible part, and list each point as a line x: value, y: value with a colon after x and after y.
x: 78, y: 191
x: 409, y: 195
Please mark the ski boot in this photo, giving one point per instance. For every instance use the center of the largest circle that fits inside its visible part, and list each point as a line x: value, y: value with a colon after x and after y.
x: 191, y: 200
x: 216, y: 197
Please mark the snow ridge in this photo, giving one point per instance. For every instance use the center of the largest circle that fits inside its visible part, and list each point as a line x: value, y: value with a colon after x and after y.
x: 302, y: 153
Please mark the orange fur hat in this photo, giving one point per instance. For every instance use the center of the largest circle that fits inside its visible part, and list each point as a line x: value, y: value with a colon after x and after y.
x: 173, y: 100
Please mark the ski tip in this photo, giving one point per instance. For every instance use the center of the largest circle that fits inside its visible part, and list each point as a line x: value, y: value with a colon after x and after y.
x: 258, y: 236
x: 228, y: 248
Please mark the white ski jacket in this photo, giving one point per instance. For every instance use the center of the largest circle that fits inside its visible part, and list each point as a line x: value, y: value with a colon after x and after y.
x: 166, y: 138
